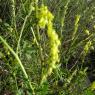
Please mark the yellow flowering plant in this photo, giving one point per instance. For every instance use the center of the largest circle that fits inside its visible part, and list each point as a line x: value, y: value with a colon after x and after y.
x: 45, y: 19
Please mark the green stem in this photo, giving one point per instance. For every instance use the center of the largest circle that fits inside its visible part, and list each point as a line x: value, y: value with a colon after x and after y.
x: 19, y: 61
x: 22, y: 29
x: 13, y: 17
x: 12, y: 8
x: 63, y: 17
x: 37, y: 26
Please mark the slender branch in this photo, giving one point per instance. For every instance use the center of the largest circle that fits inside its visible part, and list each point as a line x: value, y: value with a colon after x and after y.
x: 22, y: 29
x: 19, y: 61
x: 12, y: 9
x: 63, y: 17
x: 13, y: 17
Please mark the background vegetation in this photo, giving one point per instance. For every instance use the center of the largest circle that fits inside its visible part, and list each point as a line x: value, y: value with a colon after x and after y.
x: 47, y: 47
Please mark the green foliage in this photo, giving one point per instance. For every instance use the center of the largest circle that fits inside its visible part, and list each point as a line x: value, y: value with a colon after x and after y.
x: 44, y: 45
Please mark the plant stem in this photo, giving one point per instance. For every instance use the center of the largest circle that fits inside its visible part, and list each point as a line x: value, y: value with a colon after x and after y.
x: 22, y: 29
x: 13, y: 17
x: 19, y: 61
x: 63, y: 17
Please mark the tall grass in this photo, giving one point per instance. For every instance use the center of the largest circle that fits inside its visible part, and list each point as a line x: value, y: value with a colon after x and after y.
x: 44, y: 45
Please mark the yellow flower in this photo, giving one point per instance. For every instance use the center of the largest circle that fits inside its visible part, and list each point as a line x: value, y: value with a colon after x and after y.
x: 50, y: 16
x: 94, y: 26
x: 87, y: 32
x: 42, y: 23
x: 77, y: 19
x: 93, y: 86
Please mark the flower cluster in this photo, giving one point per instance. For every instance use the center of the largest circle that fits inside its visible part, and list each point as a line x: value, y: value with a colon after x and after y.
x: 45, y: 19
x: 87, y: 46
x: 87, y: 32
x: 44, y: 16
x: 86, y: 49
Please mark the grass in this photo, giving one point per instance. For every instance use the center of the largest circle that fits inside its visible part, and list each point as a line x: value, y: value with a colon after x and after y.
x: 45, y: 47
